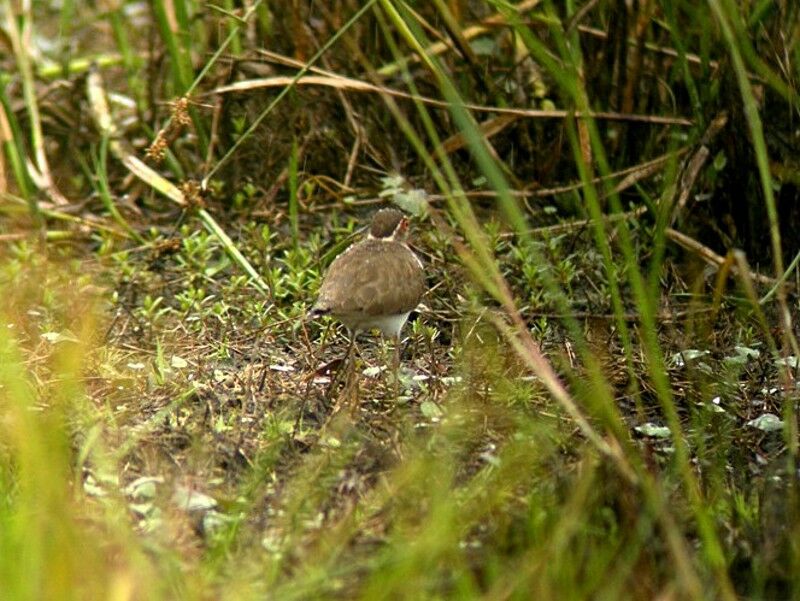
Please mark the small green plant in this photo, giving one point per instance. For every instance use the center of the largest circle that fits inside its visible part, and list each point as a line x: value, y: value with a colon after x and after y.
x: 152, y: 310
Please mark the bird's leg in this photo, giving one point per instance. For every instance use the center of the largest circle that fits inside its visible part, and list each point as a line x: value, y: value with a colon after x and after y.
x: 343, y: 367
x: 349, y: 396
x: 350, y: 347
x: 350, y: 391
x: 396, y: 368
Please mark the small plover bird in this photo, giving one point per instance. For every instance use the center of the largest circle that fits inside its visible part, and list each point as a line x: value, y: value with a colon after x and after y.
x: 376, y: 283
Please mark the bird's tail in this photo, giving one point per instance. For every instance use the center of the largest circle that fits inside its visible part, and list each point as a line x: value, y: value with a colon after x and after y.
x: 316, y: 311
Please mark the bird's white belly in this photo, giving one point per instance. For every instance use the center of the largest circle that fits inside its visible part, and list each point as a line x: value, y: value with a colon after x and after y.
x: 389, y: 325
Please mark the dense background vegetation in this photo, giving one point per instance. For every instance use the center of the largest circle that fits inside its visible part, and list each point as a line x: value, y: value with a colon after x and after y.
x: 598, y: 393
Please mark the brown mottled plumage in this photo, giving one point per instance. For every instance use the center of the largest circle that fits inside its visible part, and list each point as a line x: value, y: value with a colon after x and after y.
x: 375, y: 283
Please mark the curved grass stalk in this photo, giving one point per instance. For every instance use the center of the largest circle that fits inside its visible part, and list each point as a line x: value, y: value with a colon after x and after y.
x: 104, y: 121
x: 39, y: 170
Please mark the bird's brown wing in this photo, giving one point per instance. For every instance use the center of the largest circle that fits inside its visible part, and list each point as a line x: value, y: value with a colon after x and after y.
x: 380, y: 278
x: 398, y: 286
